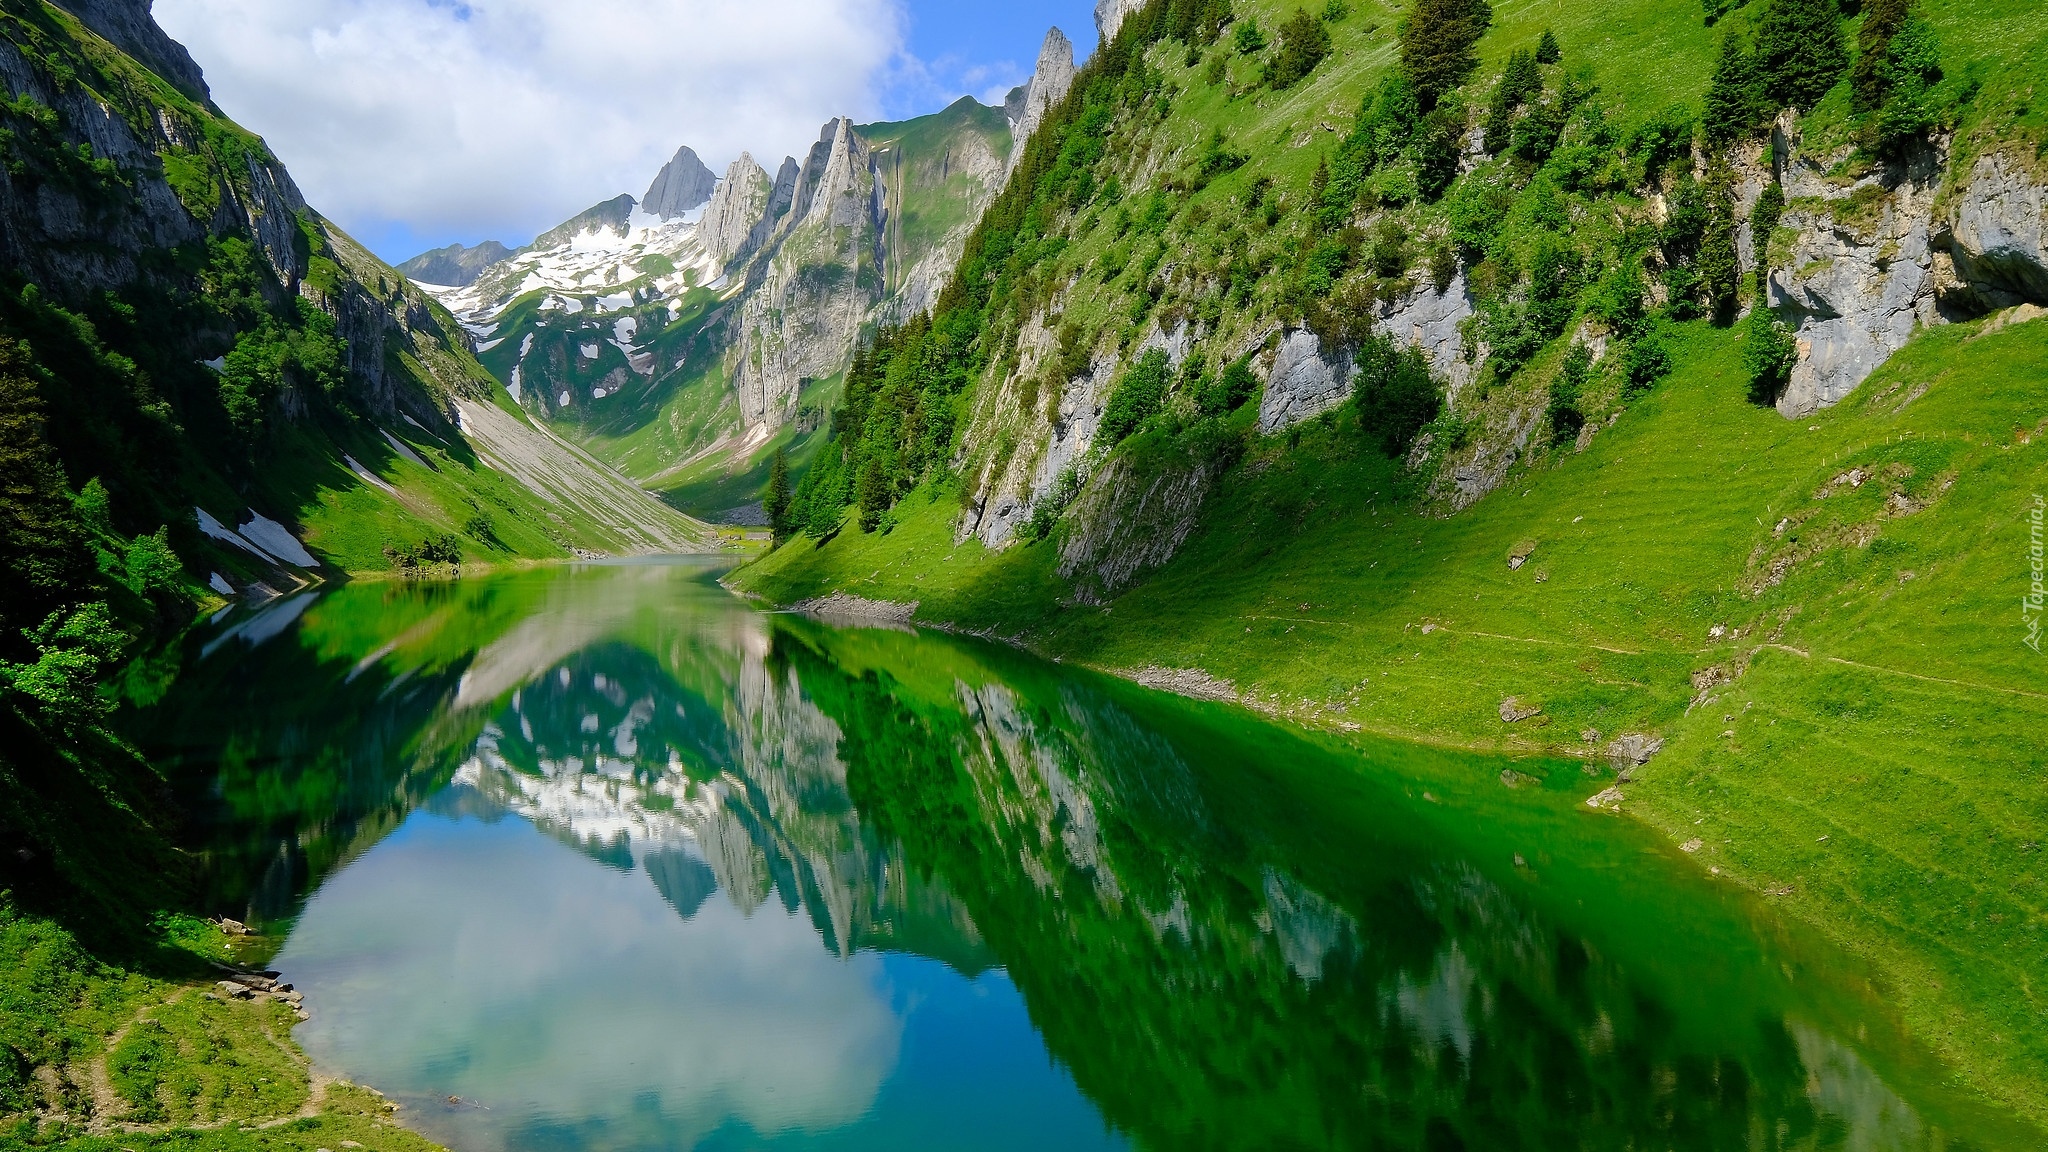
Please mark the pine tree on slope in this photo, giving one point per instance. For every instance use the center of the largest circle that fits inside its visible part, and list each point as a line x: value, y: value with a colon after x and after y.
x: 1437, y: 41
x: 1799, y: 51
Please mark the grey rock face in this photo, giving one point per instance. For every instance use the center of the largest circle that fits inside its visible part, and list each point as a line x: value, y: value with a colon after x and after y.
x: 1430, y: 319
x: 1855, y: 290
x: 128, y: 25
x: 1048, y: 86
x: 1123, y: 528
x: 1999, y: 235
x: 683, y: 185
x: 807, y: 300
x: 1303, y: 383
x: 739, y: 203
x: 454, y: 266
x: 1110, y: 16
x: 56, y: 237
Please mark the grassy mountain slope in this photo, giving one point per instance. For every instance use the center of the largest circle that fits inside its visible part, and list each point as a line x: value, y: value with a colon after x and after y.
x: 1817, y: 617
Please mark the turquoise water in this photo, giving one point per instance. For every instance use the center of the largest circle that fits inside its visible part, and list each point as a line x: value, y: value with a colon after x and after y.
x: 601, y: 858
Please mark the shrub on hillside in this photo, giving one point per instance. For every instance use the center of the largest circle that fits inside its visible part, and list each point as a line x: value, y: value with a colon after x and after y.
x: 74, y: 649
x: 1556, y: 275
x: 1618, y: 299
x: 1394, y: 392
x: 1563, y: 413
x: 1438, y: 42
x: 1438, y: 147
x: 1232, y: 388
x: 152, y: 570
x: 1763, y: 221
x: 1137, y: 396
x: 1660, y: 141
x: 1769, y: 351
x: 1304, y: 42
x: 1548, y: 51
x: 1646, y: 362
x: 1518, y: 82
x: 775, y: 501
x: 1720, y: 272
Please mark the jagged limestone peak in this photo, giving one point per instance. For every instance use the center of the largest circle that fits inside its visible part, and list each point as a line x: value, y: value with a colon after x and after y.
x: 1049, y: 83
x: 738, y: 204
x: 683, y: 185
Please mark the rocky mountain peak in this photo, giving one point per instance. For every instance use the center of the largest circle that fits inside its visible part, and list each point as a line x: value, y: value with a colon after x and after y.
x: 683, y: 185
x: 128, y: 25
x: 613, y: 215
x: 1048, y: 85
x: 454, y: 266
x: 738, y: 204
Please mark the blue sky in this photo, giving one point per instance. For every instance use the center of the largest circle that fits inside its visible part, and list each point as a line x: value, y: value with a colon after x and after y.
x: 966, y: 44
x: 418, y: 123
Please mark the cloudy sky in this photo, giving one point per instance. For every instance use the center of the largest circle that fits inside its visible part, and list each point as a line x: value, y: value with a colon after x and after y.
x: 416, y: 123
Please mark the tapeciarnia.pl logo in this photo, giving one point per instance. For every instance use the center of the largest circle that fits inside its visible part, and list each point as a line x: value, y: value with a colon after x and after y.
x: 2037, y: 564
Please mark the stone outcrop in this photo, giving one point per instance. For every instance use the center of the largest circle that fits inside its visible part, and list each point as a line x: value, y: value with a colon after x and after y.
x: 1881, y: 258
x: 1855, y: 285
x: 1303, y: 382
x: 1432, y: 320
x: 1997, y: 237
x: 807, y: 298
x: 1048, y: 85
x: 1129, y: 522
x: 1111, y: 14
x: 830, y: 256
x: 682, y: 186
x: 740, y: 202
x: 614, y: 215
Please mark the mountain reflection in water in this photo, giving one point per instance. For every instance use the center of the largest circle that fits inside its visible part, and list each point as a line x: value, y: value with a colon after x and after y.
x: 601, y: 858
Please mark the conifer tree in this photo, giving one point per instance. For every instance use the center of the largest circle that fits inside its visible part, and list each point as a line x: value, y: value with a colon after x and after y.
x: 1720, y: 272
x: 1547, y: 49
x: 1518, y: 81
x: 1881, y: 21
x: 1304, y: 42
x: 1735, y: 99
x: 777, y: 499
x: 1799, y: 51
x: 1437, y: 42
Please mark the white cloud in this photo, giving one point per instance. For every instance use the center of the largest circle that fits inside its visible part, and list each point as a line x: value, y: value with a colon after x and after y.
x: 501, y: 117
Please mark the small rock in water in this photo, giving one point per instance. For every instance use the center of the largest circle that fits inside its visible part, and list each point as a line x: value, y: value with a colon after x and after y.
x: 1608, y: 798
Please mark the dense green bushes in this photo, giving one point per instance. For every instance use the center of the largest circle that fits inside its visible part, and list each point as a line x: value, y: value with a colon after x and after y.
x: 1394, y: 392
x: 1137, y: 397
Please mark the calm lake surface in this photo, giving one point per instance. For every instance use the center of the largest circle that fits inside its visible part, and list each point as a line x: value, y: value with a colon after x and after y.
x: 602, y: 858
